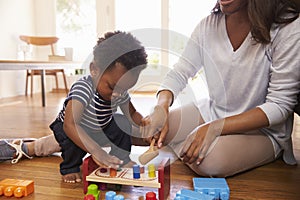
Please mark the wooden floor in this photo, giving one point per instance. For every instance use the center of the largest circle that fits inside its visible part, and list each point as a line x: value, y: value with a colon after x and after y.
x: 24, y: 117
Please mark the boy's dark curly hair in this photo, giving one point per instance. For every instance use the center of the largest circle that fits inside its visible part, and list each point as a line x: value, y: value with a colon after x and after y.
x: 119, y: 47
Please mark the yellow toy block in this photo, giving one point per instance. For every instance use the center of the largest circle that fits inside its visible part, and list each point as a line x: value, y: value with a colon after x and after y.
x: 16, y: 187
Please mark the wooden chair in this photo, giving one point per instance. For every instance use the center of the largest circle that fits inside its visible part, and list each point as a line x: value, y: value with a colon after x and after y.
x: 42, y: 41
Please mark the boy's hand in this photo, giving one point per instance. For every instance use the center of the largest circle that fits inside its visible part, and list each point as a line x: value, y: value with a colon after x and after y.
x: 155, y: 125
x: 103, y: 159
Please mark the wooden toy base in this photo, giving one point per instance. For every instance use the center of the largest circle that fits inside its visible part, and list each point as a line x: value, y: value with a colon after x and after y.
x: 91, y: 173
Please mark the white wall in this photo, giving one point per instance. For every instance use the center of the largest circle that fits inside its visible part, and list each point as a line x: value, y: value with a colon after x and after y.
x: 16, y: 18
x: 35, y: 17
x: 31, y: 17
x: 45, y: 24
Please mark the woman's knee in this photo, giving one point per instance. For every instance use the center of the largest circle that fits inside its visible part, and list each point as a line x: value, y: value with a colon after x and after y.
x: 209, y: 170
x: 217, y: 165
x: 233, y: 154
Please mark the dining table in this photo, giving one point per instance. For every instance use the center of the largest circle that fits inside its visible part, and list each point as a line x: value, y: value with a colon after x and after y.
x: 39, y: 65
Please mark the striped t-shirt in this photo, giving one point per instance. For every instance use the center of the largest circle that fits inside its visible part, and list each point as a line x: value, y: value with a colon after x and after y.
x: 98, y: 112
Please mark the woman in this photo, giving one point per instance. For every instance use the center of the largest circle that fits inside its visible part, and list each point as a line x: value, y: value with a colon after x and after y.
x: 249, y: 50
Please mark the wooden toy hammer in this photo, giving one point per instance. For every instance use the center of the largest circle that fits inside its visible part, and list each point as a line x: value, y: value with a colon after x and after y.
x: 148, y: 155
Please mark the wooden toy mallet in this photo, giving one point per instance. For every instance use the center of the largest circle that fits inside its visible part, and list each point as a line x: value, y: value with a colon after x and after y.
x: 158, y: 117
x: 148, y: 155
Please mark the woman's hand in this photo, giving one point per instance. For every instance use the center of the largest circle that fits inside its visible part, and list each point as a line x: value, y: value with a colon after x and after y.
x: 199, y: 142
x: 155, y: 125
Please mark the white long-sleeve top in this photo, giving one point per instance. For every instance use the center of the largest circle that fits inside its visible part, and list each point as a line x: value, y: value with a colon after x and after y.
x: 255, y: 75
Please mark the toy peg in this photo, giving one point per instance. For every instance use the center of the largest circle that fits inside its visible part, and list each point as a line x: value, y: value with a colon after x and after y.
x: 151, y: 153
x: 151, y: 171
x: 93, y: 190
x: 151, y: 196
x: 136, y: 171
x: 112, y: 172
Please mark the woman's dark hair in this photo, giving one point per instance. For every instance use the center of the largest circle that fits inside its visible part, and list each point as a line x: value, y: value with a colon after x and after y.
x: 119, y: 47
x: 264, y: 13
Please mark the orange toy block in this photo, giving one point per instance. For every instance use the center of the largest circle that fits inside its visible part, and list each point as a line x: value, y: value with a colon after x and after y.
x: 16, y: 187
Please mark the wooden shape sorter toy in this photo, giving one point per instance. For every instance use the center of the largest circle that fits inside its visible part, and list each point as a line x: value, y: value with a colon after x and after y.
x: 92, y: 173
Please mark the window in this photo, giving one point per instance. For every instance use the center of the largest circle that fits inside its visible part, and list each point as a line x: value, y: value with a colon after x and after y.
x: 76, y: 26
x: 183, y: 18
x: 160, y: 21
x: 142, y: 18
x: 163, y: 26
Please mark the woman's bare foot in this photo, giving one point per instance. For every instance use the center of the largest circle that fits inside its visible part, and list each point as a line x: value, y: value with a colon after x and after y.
x: 72, y: 178
x: 129, y: 164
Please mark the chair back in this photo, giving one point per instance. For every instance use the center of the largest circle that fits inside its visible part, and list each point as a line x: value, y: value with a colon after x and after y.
x: 40, y: 41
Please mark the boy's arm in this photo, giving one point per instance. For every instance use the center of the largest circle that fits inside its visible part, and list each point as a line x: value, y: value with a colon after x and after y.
x: 72, y: 128
x: 130, y: 112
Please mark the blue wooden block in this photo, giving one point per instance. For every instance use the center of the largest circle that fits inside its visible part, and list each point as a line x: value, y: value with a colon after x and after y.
x: 186, y: 194
x: 110, y: 195
x: 216, y: 187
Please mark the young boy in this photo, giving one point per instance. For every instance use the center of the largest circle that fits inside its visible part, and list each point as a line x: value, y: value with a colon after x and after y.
x: 88, y: 120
